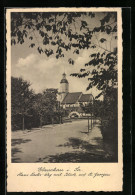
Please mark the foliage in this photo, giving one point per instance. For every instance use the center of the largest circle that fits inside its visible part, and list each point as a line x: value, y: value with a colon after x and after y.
x: 46, y: 105
x: 106, y: 110
x: 21, y: 100
x: 111, y: 105
x: 88, y: 109
x: 99, y: 75
x: 56, y: 33
x: 35, y: 109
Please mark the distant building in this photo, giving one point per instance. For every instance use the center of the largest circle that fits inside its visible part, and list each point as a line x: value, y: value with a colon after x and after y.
x: 72, y: 102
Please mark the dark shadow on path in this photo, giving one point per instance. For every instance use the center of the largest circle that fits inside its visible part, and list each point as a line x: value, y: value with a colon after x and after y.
x: 88, y: 152
x: 19, y: 141
x: 16, y: 150
x: 15, y: 160
x: 85, y: 132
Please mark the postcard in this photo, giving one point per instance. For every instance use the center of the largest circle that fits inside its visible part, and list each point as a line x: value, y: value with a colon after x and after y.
x: 64, y: 99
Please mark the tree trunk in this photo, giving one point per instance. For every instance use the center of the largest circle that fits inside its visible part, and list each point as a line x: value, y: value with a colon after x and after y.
x: 52, y: 120
x: 101, y: 121
x: 40, y: 122
x: 91, y: 120
x: 23, y: 123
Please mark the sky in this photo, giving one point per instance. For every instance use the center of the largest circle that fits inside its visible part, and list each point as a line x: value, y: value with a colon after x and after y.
x: 43, y: 72
x: 46, y: 73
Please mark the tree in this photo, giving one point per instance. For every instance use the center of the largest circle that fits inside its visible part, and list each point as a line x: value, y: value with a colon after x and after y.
x: 30, y: 109
x: 38, y: 107
x: 21, y: 101
x: 45, y: 104
x: 89, y: 109
x: 50, y: 96
x: 56, y: 33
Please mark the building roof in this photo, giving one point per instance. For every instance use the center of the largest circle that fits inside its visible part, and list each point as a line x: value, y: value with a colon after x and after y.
x: 71, y: 98
x: 85, y: 98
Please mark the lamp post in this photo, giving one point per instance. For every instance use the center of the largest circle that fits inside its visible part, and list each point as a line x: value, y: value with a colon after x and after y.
x: 88, y: 124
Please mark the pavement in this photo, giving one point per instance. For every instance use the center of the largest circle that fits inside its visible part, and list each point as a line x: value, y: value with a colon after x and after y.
x: 68, y: 142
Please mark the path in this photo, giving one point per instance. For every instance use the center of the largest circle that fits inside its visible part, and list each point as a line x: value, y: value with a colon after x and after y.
x: 67, y: 142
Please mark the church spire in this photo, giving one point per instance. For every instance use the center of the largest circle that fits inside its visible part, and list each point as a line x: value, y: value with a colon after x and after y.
x: 64, y: 80
x: 64, y: 86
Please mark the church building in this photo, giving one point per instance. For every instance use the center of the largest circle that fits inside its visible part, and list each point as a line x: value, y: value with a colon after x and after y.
x: 72, y: 101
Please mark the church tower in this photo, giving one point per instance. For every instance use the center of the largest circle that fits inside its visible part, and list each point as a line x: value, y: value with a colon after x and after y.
x: 64, y: 87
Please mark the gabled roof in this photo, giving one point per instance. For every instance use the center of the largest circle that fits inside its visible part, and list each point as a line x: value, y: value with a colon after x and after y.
x: 85, y: 98
x: 71, y: 98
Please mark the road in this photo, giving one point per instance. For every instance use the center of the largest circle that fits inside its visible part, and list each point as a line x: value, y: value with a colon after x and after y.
x: 68, y: 142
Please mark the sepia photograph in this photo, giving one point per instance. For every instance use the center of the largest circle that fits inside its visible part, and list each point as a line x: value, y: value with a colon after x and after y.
x: 64, y: 87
